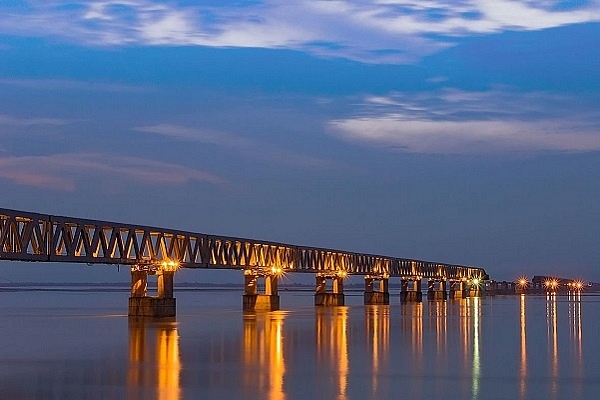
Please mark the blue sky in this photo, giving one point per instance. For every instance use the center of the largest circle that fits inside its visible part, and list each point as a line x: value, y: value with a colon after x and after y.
x: 463, y: 132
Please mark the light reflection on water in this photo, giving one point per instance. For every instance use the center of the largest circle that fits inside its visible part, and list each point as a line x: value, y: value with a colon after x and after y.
x: 263, y: 354
x: 523, y: 360
x: 522, y: 347
x: 377, y: 324
x: 476, y: 313
x: 552, y: 330
x: 575, y: 337
x: 332, y: 344
x: 153, y: 358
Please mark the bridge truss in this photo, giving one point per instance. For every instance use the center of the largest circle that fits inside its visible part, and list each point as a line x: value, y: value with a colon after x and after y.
x: 26, y: 236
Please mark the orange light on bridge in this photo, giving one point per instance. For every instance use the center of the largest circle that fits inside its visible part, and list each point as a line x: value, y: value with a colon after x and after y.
x: 276, y: 271
x: 342, y: 274
x: 551, y: 284
x: 523, y: 282
x: 169, y: 265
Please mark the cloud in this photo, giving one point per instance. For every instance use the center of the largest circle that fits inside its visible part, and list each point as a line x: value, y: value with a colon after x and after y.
x: 377, y: 31
x: 65, y: 171
x: 262, y: 151
x: 458, y: 122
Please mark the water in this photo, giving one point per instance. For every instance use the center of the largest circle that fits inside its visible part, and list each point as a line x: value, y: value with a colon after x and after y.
x: 81, y: 345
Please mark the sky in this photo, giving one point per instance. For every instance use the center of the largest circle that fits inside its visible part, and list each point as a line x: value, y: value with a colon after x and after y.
x: 461, y: 131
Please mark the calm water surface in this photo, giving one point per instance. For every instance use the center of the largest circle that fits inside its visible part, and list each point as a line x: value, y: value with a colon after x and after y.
x: 81, y: 345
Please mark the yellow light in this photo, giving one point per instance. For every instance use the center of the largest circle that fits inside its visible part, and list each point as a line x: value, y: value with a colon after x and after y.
x: 523, y: 282
x: 342, y: 274
x: 276, y: 270
x: 169, y: 265
x: 475, y: 281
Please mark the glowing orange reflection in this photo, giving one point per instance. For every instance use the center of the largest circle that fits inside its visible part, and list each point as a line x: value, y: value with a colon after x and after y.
x: 552, y: 341
x: 476, y: 345
x: 438, y: 320
x: 332, y: 343
x: 523, y: 363
x: 412, y: 327
x: 153, y: 358
x: 263, y: 358
x: 576, y: 337
x: 378, y: 334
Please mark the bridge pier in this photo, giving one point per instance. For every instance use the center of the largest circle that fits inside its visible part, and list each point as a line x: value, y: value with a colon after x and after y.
x: 458, y: 290
x: 410, y: 290
x: 476, y: 288
x: 372, y: 296
x: 254, y: 301
x: 325, y: 298
x: 436, y: 289
x: 141, y: 305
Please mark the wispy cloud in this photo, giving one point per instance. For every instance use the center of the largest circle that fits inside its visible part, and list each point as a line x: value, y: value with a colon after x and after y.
x: 68, y: 84
x: 65, y: 171
x: 250, y: 148
x: 370, y: 31
x: 458, y: 122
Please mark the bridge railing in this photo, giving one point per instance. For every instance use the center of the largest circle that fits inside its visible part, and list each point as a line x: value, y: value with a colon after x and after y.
x: 27, y: 236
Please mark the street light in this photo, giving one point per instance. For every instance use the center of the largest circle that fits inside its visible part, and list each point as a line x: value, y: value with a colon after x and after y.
x: 523, y: 282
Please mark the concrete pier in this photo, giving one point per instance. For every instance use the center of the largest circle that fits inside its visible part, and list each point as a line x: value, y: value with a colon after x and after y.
x: 156, y: 307
x: 380, y: 296
x: 165, y: 284
x: 324, y: 297
x: 410, y: 290
x: 142, y: 305
x: 436, y: 290
x: 476, y: 288
x: 254, y: 301
x: 458, y: 290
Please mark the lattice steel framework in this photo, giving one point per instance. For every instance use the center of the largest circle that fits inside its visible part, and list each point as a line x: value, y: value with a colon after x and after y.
x: 26, y: 236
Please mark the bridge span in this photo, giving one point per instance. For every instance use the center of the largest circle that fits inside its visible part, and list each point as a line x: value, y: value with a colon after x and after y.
x: 27, y: 236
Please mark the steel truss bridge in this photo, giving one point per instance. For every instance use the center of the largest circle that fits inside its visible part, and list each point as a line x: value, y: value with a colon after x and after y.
x: 26, y: 236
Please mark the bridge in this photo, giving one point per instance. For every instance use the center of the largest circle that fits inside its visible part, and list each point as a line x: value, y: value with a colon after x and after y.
x: 27, y: 236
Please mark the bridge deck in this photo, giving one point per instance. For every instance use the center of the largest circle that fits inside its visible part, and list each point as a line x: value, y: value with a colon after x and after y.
x: 26, y: 236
